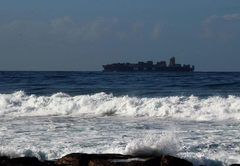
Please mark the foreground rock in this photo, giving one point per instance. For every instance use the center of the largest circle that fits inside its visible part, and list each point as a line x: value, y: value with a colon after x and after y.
x: 21, y: 161
x: 81, y: 159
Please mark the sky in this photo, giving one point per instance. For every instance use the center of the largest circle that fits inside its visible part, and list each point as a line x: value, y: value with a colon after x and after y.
x: 82, y: 35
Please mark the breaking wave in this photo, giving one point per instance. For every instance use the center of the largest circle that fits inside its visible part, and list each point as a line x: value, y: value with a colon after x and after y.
x: 102, y: 104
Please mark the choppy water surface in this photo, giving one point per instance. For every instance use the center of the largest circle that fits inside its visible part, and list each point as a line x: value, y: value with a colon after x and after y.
x: 191, y: 115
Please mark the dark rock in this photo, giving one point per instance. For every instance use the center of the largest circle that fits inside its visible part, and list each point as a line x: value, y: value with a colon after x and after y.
x: 49, y: 163
x: 110, y: 156
x: 235, y: 165
x: 24, y: 161
x: 174, y: 161
x: 97, y: 162
x: 100, y: 162
x: 81, y: 159
x: 3, y: 159
x: 77, y: 159
x: 74, y: 159
x: 155, y: 161
x: 116, y: 162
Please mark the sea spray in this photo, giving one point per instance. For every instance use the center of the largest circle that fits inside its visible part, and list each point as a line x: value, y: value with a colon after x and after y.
x: 154, y: 145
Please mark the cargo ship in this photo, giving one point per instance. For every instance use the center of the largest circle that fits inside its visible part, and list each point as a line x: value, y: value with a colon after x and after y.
x: 148, y: 67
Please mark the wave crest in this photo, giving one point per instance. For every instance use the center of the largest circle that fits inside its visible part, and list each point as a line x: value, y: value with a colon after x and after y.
x: 102, y: 104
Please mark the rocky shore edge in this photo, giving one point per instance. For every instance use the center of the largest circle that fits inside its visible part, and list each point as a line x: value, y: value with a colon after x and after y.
x: 82, y: 159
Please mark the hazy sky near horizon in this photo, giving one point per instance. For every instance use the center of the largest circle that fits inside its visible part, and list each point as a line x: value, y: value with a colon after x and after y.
x: 82, y: 35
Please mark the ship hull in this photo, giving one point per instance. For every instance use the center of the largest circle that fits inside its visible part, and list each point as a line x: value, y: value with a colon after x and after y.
x: 109, y: 68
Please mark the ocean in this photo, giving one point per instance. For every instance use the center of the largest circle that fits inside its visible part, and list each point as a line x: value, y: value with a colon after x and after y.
x: 195, y: 116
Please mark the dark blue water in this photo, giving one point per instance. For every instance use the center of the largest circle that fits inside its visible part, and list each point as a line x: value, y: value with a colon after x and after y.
x: 195, y: 115
x: 201, y: 84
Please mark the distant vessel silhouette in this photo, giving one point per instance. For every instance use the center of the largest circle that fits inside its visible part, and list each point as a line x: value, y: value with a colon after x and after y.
x: 148, y: 67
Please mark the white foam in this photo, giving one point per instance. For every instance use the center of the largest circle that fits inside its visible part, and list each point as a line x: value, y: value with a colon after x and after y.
x: 153, y: 145
x: 102, y: 104
x: 202, y: 143
x: 32, y: 151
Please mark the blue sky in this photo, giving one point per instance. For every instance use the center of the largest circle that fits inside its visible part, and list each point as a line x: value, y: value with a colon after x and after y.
x: 81, y: 35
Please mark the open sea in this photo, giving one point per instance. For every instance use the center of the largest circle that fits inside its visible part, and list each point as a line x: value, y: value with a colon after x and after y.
x: 195, y: 116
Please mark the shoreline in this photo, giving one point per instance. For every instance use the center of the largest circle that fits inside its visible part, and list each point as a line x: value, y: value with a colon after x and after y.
x: 83, y: 159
